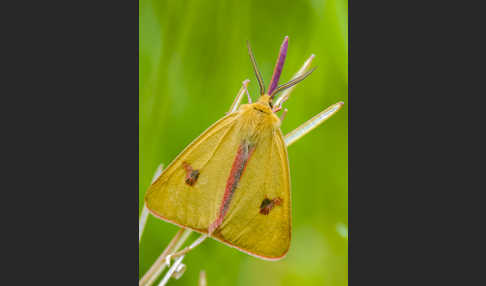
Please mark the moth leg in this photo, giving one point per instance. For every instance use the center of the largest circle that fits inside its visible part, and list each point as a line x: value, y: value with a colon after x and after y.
x: 236, y: 103
x: 312, y: 123
x: 282, y: 116
x: 248, y: 95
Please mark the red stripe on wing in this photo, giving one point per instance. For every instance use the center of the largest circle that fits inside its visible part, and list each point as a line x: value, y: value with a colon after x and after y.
x: 245, y: 150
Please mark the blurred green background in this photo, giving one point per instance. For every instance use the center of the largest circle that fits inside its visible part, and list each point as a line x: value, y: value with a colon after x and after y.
x: 193, y: 58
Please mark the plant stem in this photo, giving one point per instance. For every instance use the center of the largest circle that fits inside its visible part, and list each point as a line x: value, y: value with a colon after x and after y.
x: 144, y: 215
x: 142, y: 222
x: 190, y: 247
x: 159, y: 264
x: 202, y: 278
x: 178, y: 266
x: 312, y: 123
x: 171, y: 271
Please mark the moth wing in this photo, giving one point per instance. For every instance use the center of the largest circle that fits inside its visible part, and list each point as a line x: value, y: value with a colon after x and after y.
x: 173, y: 200
x: 266, y: 176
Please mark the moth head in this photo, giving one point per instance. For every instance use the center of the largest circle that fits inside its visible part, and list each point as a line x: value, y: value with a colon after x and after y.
x: 267, y: 97
x: 266, y: 101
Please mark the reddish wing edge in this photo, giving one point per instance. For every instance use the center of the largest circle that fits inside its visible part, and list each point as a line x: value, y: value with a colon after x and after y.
x: 203, y: 231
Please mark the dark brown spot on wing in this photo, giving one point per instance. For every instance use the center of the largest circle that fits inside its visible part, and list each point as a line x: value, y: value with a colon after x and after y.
x: 268, y: 204
x: 191, y: 174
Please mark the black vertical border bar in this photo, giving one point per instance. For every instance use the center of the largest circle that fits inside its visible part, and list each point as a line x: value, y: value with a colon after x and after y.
x: 72, y: 165
x: 416, y: 147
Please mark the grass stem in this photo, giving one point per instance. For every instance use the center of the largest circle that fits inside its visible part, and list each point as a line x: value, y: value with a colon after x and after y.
x: 312, y: 123
x: 159, y: 265
x: 144, y: 215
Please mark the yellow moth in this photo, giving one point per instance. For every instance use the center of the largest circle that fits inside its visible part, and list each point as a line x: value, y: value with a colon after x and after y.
x: 232, y: 183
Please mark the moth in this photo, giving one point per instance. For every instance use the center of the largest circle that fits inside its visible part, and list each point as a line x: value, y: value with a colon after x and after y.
x: 232, y: 183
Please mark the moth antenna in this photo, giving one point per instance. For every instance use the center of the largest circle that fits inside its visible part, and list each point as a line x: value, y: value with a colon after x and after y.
x: 257, y: 71
x: 279, y: 65
x: 291, y: 83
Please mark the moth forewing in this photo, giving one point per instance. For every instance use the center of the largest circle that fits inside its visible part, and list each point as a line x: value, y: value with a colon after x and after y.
x: 259, y: 220
x: 195, y: 206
